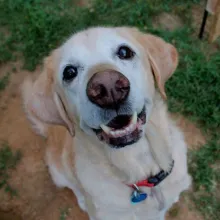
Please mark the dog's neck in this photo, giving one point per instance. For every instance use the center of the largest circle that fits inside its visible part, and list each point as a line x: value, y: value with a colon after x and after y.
x: 144, y: 158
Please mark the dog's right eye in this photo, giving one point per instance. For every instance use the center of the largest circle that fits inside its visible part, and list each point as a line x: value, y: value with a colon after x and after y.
x: 69, y: 73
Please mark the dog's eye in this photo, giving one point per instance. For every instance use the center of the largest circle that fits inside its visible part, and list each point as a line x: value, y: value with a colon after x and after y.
x: 69, y: 73
x: 125, y: 53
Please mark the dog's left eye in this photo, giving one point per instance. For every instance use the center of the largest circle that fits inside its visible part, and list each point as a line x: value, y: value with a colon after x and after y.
x: 125, y: 53
x: 69, y: 73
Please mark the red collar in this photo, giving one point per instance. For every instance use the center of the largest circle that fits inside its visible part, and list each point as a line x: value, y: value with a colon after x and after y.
x: 153, y: 180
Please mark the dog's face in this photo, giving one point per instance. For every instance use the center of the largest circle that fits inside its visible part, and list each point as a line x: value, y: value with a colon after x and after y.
x: 102, y: 81
x: 103, y: 76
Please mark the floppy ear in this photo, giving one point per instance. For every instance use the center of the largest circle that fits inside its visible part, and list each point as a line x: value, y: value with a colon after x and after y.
x: 163, y: 58
x: 43, y: 105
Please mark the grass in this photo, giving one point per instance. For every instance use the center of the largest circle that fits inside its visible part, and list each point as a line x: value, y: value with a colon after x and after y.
x: 64, y: 213
x: 4, y: 82
x: 32, y: 28
x: 8, y: 161
x: 174, y: 211
x: 38, y: 26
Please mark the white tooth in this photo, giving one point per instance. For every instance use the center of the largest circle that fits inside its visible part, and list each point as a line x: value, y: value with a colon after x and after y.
x: 134, y: 118
x: 123, y: 132
x: 120, y: 132
x: 105, y: 128
x: 112, y: 133
x: 132, y: 127
x: 117, y: 133
x: 127, y: 129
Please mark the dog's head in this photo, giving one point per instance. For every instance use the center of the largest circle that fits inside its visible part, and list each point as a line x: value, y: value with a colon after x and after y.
x: 102, y: 81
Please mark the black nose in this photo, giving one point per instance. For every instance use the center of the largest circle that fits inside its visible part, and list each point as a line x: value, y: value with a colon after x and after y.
x: 108, y: 89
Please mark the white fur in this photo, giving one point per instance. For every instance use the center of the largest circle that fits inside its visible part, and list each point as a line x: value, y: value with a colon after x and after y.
x: 100, y: 173
x: 108, y: 194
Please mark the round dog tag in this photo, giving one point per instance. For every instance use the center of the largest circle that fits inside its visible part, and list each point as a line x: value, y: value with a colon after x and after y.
x: 138, y: 196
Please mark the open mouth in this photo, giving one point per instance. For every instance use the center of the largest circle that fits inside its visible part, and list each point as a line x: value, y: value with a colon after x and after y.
x: 122, y: 130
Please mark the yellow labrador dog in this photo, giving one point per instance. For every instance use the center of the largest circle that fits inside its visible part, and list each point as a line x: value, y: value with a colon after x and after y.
x: 112, y: 142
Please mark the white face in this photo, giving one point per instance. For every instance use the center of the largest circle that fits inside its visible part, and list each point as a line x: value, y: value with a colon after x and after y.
x: 101, y: 50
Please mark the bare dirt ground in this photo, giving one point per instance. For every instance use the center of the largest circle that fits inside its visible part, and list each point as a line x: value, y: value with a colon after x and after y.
x: 38, y: 198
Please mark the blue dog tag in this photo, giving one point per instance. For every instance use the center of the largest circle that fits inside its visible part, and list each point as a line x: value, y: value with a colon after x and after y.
x: 138, y: 196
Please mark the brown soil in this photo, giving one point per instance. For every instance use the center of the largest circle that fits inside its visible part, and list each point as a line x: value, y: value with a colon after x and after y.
x: 38, y: 198
x: 167, y: 21
x: 193, y: 135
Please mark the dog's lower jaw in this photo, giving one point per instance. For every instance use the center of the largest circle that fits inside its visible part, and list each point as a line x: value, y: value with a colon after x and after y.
x: 138, y: 136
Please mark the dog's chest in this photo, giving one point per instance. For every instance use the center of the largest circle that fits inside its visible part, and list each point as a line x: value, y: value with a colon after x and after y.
x: 109, y: 191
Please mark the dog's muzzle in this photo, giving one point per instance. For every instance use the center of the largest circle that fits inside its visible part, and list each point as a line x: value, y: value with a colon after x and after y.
x: 109, y: 90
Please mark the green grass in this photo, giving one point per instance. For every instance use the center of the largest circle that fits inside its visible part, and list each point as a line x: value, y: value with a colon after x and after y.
x: 4, y: 82
x: 8, y: 161
x: 5, y: 53
x: 32, y: 28
x: 64, y: 213
x: 38, y: 26
x: 174, y: 211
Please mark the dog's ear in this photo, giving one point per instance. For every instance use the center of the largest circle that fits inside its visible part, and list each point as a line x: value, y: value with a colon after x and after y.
x: 43, y: 105
x: 163, y: 58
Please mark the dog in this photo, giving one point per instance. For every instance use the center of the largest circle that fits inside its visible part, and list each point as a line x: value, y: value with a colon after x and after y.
x: 100, y: 103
